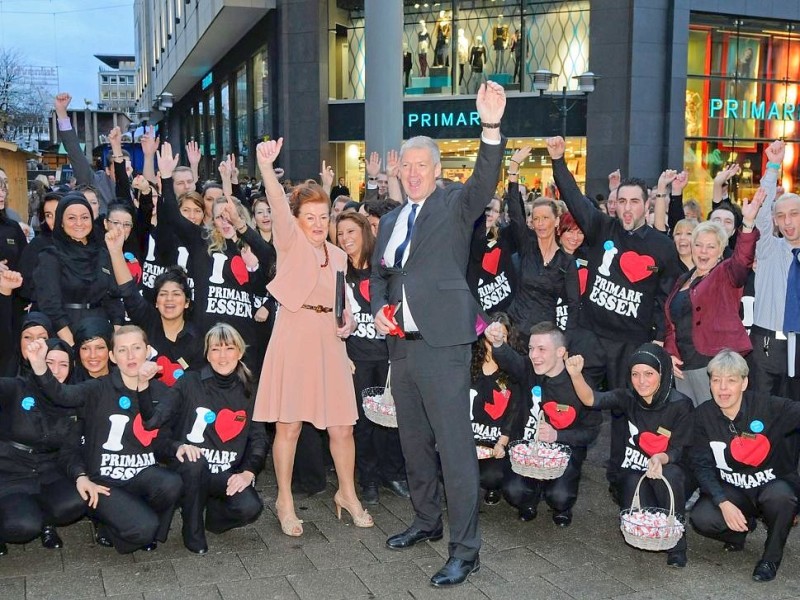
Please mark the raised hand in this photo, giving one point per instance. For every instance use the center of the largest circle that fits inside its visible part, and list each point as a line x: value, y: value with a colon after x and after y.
x: 495, y: 334
x: 148, y: 142
x: 556, y: 146
x: 613, y: 180
x: 193, y: 154
x: 115, y: 138
x: 666, y: 178
x: 9, y: 281
x: 574, y: 364
x: 373, y: 164
x: 266, y: 153
x: 115, y: 240
x: 140, y: 183
x: 393, y: 163
x: 326, y: 176
x: 166, y: 160
x: 148, y: 370
x: 491, y: 102
x: 680, y: 181
x: 521, y: 155
x: 61, y: 104
x: 224, y: 170
x: 750, y: 208
x: 775, y: 151
x: 726, y: 173
x: 37, y: 355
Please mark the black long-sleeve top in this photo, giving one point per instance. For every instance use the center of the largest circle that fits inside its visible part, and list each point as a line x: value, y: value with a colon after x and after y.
x: 224, y: 289
x: 118, y: 425
x: 540, y: 285
x: 186, y: 352
x: 28, y: 262
x: 490, y: 272
x: 365, y: 343
x: 496, y: 406
x: 575, y: 425
x: 666, y: 428
x: 625, y: 302
x: 214, y: 413
x: 747, y: 452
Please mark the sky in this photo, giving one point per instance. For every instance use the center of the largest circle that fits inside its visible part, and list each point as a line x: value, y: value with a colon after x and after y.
x: 67, y: 34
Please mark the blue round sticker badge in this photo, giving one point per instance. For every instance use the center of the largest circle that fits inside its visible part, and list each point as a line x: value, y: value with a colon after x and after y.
x: 177, y: 374
x: 536, y: 391
x: 210, y: 417
x: 608, y: 245
x: 129, y: 256
x: 124, y: 402
x: 756, y: 426
x: 28, y: 403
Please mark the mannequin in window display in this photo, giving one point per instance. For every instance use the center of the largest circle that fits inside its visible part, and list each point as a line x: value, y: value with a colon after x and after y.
x: 407, y: 63
x: 499, y: 42
x: 516, y: 52
x: 423, y: 44
x: 477, y: 57
x: 442, y: 31
x: 463, y: 56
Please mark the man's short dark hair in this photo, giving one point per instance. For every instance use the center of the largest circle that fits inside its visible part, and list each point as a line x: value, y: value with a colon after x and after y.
x: 635, y: 182
x: 380, y: 208
x: 551, y: 329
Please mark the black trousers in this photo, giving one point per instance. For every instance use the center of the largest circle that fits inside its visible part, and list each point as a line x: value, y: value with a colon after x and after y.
x: 775, y: 501
x: 378, y: 453
x: 654, y: 493
x: 309, y: 473
x: 204, y: 495
x: 139, y: 511
x: 768, y: 361
x: 493, y: 472
x: 560, y: 494
x: 430, y: 386
x: 22, y: 516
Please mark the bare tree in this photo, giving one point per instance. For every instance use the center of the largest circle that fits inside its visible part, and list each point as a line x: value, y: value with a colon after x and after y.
x: 24, y: 104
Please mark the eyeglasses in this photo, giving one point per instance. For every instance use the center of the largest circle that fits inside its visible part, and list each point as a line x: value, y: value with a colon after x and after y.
x: 122, y: 224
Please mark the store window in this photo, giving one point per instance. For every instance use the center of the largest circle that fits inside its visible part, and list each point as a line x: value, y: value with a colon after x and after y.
x: 242, y: 132
x: 741, y: 93
x: 211, y: 126
x: 451, y: 47
x: 261, y: 93
x: 225, y: 111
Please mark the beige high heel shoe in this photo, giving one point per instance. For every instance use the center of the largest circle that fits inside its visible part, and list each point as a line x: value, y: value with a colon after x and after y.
x: 290, y: 524
x: 361, y: 518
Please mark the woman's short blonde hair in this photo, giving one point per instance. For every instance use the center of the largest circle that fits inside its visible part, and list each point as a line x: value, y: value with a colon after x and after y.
x: 728, y: 362
x: 713, y: 228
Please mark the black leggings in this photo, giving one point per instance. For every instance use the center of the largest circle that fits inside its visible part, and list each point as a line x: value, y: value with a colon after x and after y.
x: 204, y: 493
x: 22, y: 516
x: 139, y: 511
x: 776, y: 502
x: 560, y: 494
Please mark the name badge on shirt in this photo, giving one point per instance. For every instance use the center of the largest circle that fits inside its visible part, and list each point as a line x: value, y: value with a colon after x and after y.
x: 652, y: 268
x: 665, y: 432
x: 562, y: 407
x: 749, y: 436
x: 106, y: 271
x: 183, y: 363
x: 239, y: 418
x: 10, y: 241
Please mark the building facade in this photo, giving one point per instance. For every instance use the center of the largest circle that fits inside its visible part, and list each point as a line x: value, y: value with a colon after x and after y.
x: 116, y: 83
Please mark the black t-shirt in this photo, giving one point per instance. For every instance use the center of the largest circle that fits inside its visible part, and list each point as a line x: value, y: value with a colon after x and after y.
x: 365, y: 343
x: 494, y: 400
x: 680, y: 310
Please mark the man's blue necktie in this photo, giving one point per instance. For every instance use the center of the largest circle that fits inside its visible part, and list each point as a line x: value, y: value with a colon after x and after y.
x: 791, y: 315
x: 398, y: 254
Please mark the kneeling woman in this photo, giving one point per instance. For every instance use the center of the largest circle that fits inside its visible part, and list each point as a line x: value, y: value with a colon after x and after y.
x: 114, y: 469
x: 659, y: 431
x: 214, y: 445
x: 744, y: 463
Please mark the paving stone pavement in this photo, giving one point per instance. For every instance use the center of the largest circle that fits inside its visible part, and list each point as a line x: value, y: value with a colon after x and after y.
x: 334, y: 559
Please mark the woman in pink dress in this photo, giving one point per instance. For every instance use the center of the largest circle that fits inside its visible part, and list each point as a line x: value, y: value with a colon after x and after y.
x: 306, y: 375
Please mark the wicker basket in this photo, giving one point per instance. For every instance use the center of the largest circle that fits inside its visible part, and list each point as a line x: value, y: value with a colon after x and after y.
x: 378, y: 407
x: 484, y: 448
x: 653, y: 529
x: 537, y: 459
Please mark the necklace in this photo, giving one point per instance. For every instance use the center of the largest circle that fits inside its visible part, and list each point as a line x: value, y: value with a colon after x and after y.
x: 327, y: 258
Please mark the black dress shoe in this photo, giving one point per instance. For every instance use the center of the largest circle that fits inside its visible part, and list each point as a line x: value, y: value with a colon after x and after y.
x: 202, y: 550
x: 563, y: 518
x: 733, y: 546
x: 399, y: 488
x: 101, y: 537
x: 614, y: 491
x: 369, y: 494
x: 492, y: 497
x: 412, y: 536
x: 765, y: 571
x: 455, y: 571
x: 528, y: 514
x: 677, y: 559
x: 3, y: 549
x: 50, y: 538
x: 149, y: 547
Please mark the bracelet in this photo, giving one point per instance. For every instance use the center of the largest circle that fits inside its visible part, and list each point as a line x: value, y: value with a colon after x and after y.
x: 513, y: 174
x: 661, y: 195
x: 516, y: 162
x: 490, y: 125
x: 243, y: 229
x: 748, y: 227
x: 117, y: 156
x: 772, y: 165
x: 80, y: 475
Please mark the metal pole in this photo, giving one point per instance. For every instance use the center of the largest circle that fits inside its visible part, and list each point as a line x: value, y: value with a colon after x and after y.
x: 564, y: 111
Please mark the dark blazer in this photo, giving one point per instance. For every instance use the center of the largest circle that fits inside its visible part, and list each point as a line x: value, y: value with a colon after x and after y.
x: 434, y: 275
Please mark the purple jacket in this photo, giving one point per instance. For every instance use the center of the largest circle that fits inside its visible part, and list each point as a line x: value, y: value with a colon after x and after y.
x: 715, y: 303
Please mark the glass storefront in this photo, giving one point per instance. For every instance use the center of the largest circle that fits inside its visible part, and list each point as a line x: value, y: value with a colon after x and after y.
x: 741, y: 93
x: 458, y: 160
x: 450, y: 47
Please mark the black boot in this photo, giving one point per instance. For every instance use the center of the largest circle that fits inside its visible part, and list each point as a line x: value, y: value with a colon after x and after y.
x: 3, y: 549
x: 50, y: 538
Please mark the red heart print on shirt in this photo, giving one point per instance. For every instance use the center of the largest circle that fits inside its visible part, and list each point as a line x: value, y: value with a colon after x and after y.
x: 750, y: 451
x: 135, y: 270
x: 498, y: 405
x: 635, y: 266
x: 229, y: 424
x: 583, y: 277
x: 491, y: 260
x: 559, y: 419
x: 653, y: 443
x: 168, y: 370
x: 145, y: 436
x: 363, y: 288
x: 239, y: 270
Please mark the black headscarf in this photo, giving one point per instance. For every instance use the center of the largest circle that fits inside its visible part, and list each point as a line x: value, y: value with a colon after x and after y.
x: 91, y: 328
x: 656, y: 357
x: 59, y: 344
x: 33, y: 318
x: 79, y: 259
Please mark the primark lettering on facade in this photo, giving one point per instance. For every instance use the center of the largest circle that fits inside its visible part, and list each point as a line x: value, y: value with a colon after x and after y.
x: 443, y: 119
x: 730, y: 108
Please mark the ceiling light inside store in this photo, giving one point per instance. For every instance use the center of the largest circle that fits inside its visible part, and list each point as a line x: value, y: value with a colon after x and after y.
x: 352, y: 151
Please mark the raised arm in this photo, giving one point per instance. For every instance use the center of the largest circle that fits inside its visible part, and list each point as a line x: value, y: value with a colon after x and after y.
x: 662, y: 199
x: 393, y: 173
x: 516, y: 209
x: 675, y: 209
x: 284, y: 231
x: 80, y: 164
x: 190, y: 234
x: 585, y: 393
x: 122, y: 185
x: 769, y: 182
x: 194, y: 155
x: 149, y: 145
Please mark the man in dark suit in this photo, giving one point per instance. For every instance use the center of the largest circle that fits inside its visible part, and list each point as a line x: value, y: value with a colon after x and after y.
x: 419, y: 266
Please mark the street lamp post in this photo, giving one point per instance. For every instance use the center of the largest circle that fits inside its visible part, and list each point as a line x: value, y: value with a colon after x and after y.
x: 542, y: 79
x: 165, y: 101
